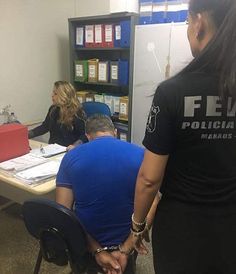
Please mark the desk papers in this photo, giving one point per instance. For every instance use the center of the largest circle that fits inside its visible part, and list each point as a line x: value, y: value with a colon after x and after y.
x: 21, y: 163
x: 31, y: 169
x: 48, y: 151
x: 39, y: 173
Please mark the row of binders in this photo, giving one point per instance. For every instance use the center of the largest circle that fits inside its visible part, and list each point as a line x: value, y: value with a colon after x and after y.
x: 163, y: 11
x: 119, y: 105
x: 103, y: 35
x: 94, y: 70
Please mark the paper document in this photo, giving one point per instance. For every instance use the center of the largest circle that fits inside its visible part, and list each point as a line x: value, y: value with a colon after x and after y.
x: 22, y: 162
x: 39, y: 173
x: 49, y: 150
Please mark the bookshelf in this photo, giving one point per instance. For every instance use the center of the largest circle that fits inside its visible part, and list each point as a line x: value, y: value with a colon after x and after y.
x: 105, y: 54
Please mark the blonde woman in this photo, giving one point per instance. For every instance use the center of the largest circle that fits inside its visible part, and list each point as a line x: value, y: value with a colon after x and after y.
x: 65, y: 120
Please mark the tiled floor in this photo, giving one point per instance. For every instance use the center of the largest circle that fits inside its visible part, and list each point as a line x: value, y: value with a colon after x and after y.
x: 18, y: 250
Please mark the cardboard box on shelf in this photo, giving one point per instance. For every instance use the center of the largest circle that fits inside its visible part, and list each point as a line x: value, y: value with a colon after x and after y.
x: 89, y: 97
x: 81, y: 95
x: 99, y: 97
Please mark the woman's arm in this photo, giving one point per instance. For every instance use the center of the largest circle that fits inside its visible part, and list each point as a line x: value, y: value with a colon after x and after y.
x: 148, y: 183
x: 79, y: 130
x: 146, y: 200
x: 43, y: 128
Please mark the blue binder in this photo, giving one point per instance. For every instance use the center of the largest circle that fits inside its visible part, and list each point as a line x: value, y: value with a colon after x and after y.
x: 173, y: 15
x: 159, y: 17
x: 144, y: 20
x: 145, y: 12
x: 183, y: 15
x: 145, y: 1
x: 125, y: 34
x: 119, y: 72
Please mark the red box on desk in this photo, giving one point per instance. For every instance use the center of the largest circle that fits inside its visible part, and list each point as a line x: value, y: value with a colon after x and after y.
x: 13, y: 141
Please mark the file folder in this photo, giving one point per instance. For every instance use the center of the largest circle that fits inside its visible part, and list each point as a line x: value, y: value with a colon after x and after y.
x: 13, y: 141
x: 119, y: 72
x: 81, y: 70
x: 93, y: 70
x: 109, y: 101
x: 173, y: 11
x: 124, y: 108
x: 99, y: 36
x: 79, y: 37
x: 183, y: 13
x: 103, y: 71
x: 116, y: 104
x: 117, y: 36
x: 159, y: 11
x: 146, y: 9
x: 125, y: 34
x: 109, y: 36
x: 89, y: 36
x: 81, y: 95
x: 99, y: 98
x: 89, y: 97
x: 122, y: 131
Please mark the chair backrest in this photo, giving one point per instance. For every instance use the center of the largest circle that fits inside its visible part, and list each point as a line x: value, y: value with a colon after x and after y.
x: 91, y: 108
x: 62, y: 238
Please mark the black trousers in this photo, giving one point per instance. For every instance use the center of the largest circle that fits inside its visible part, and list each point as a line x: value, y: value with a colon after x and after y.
x: 193, y: 239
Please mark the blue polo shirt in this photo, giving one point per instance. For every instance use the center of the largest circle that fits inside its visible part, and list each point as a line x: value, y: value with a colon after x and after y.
x: 102, y: 175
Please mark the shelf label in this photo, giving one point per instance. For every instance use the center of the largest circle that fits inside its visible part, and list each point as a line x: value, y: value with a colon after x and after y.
x: 79, y: 70
x: 114, y: 72
x: 116, y: 103
x: 108, y: 33
x: 123, y: 136
x: 118, y: 32
x: 123, y: 108
x: 89, y: 35
x: 98, y: 33
x: 102, y: 72
x: 79, y: 36
x: 92, y: 71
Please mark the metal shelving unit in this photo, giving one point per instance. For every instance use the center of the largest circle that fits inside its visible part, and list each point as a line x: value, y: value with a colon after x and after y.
x: 77, y: 53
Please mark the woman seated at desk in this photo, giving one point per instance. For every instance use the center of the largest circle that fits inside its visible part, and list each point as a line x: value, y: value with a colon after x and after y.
x: 65, y: 119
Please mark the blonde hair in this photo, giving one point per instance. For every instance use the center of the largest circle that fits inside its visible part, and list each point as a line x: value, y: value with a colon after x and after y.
x: 68, y: 103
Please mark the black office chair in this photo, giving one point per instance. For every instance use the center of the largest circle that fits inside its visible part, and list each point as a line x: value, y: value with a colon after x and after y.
x: 60, y: 234
x: 91, y: 108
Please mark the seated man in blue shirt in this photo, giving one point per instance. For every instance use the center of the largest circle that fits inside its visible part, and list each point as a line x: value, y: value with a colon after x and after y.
x: 100, y: 177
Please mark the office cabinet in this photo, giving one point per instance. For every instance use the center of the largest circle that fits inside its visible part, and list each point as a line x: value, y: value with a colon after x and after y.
x: 102, y: 58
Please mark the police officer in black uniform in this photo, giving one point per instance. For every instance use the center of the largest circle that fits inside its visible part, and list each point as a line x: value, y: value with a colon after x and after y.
x: 190, y: 145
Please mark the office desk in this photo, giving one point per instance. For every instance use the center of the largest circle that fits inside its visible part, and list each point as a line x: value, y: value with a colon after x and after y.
x: 17, y: 191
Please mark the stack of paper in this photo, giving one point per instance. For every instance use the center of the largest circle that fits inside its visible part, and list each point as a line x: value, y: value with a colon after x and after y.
x: 49, y: 150
x: 39, y: 173
x: 21, y: 163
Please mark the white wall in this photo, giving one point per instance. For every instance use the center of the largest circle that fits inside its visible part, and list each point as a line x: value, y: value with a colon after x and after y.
x: 33, y: 53
x: 34, y: 50
x: 92, y: 7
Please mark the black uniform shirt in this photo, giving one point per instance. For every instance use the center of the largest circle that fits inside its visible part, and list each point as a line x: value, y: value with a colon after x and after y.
x: 188, y: 122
